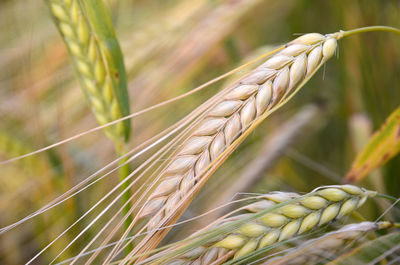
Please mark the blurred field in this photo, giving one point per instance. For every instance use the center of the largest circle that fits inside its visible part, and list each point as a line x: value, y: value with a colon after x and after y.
x: 169, y: 48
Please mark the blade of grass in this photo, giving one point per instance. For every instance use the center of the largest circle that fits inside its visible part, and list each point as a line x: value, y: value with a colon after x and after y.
x: 381, y: 147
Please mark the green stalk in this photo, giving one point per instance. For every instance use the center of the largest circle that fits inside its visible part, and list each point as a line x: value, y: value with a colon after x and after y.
x: 346, y: 33
x: 124, y: 171
x: 388, y: 197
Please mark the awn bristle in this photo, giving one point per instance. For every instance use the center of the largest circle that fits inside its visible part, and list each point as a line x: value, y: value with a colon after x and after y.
x: 244, y: 102
x: 89, y: 65
x: 328, y: 245
x: 309, y: 211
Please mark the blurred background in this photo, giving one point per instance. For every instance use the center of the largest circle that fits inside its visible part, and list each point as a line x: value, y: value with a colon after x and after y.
x: 170, y: 47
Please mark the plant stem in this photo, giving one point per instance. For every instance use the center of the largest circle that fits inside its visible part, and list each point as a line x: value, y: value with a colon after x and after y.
x: 345, y: 33
x: 124, y: 171
x: 381, y: 195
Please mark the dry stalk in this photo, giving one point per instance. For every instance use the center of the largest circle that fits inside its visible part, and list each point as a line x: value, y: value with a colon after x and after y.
x: 324, y: 247
x: 306, y: 213
x: 246, y: 101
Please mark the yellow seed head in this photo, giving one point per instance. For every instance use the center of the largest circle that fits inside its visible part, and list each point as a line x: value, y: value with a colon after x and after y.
x: 246, y: 249
x: 293, y: 210
x: 362, y: 201
x: 293, y: 218
x: 351, y: 189
x: 75, y: 12
x: 120, y: 128
x: 290, y: 230
x: 67, y: 30
x: 297, y: 70
x: 294, y: 49
x: 115, y: 113
x: 309, y: 222
x: 348, y: 206
x: 314, y: 58
x: 83, y: 67
x: 58, y: 11
x: 309, y: 39
x: 97, y: 104
x: 270, y: 238
x: 252, y: 229
x: 277, y: 61
x: 273, y: 219
x: 92, y: 51
x: 314, y: 202
x: 329, y: 48
x: 231, y: 242
x: 101, y: 119
x: 99, y: 72
x: 90, y: 85
x: 75, y: 48
x: 108, y: 91
x: 329, y: 213
x: 333, y: 194
x: 83, y: 32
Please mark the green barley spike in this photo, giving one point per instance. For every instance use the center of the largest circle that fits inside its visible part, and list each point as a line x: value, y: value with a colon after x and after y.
x: 282, y: 223
x: 97, y: 60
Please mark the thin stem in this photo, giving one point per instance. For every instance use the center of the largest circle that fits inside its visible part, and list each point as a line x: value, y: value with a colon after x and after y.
x: 345, y: 33
x: 124, y: 172
x: 381, y: 195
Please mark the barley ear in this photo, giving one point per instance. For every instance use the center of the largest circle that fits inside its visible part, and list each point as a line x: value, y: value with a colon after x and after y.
x: 240, y: 109
x: 245, y: 102
x: 286, y: 215
x: 97, y: 60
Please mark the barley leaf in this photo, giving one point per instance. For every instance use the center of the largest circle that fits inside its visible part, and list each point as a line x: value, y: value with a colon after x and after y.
x: 382, y: 146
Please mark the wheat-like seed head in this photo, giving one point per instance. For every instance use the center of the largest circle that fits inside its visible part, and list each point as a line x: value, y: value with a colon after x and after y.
x: 307, y: 212
x: 90, y: 65
x: 324, y: 247
x: 243, y: 103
